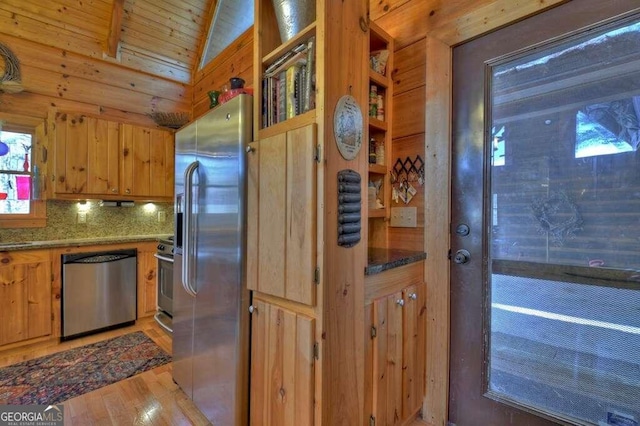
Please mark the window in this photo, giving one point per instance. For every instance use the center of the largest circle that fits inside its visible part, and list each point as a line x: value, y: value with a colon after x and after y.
x: 19, y: 179
x: 230, y: 20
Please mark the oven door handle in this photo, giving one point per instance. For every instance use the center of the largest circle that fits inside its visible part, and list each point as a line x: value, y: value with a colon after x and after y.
x: 161, y: 257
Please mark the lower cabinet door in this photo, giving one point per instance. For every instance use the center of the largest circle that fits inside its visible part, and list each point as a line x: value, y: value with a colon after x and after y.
x: 395, y: 358
x: 282, y: 366
x: 25, y: 295
x: 387, y: 360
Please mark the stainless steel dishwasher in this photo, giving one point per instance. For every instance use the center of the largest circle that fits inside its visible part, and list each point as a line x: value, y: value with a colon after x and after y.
x: 98, y: 291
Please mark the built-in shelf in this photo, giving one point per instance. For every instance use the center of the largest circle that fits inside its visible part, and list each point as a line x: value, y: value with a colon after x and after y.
x: 302, y: 36
x: 378, y: 79
x: 378, y: 169
x: 378, y: 124
x: 377, y: 212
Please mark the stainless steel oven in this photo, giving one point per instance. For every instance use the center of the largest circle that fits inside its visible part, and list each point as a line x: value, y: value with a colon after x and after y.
x: 164, y: 255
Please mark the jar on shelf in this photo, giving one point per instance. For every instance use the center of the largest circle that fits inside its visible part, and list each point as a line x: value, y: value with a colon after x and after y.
x: 372, y: 151
x: 380, y: 108
x: 380, y: 153
x: 373, y: 101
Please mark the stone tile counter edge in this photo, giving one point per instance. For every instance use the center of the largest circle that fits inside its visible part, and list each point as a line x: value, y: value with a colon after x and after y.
x: 381, y: 259
x: 34, y: 245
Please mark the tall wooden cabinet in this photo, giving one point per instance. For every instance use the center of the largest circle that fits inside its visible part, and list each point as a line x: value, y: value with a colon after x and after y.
x: 295, y: 265
x: 96, y: 158
x: 25, y: 295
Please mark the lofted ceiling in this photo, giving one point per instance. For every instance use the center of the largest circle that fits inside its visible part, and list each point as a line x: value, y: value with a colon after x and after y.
x: 113, y: 57
x: 161, y: 37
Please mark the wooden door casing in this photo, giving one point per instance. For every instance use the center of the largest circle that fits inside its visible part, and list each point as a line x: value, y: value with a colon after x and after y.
x: 282, y: 366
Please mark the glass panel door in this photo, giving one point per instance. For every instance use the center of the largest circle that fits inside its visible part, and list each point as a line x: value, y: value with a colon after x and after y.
x: 563, y: 216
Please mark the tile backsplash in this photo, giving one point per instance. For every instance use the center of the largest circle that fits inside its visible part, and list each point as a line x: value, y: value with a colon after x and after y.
x: 101, y: 221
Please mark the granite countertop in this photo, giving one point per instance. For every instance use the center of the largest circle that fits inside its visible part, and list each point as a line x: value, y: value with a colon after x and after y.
x: 32, y: 245
x: 382, y: 259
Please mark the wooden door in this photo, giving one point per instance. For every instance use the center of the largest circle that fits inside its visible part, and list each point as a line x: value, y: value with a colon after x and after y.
x: 86, y: 155
x: 544, y: 284
x: 103, y: 156
x: 147, y: 280
x: 70, y: 150
x: 387, y: 360
x: 282, y: 367
x: 413, y: 349
x: 25, y: 295
x: 147, y: 162
x: 282, y: 197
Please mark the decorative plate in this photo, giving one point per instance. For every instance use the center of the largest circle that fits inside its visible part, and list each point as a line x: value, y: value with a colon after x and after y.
x: 347, y: 127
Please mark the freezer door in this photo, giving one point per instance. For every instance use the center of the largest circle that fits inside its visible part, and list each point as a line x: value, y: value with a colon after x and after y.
x: 183, y: 308
x: 221, y: 310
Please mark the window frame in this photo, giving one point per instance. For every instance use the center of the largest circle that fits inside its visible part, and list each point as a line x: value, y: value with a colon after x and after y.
x: 37, y: 216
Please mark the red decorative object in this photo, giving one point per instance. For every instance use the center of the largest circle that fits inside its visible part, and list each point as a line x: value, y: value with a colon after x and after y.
x: 25, y: 165
x: 230, y: 94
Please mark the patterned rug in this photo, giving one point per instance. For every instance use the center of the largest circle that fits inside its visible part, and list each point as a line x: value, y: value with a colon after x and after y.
x: 55, y: 378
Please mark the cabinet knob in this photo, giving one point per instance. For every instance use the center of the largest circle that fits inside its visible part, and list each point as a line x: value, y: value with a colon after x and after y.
x: 114, y: 190
x: 413, y: 296
x: 400, y: 302
x: 252, y: 309
x: 128, y: 191
x: 249, y: 149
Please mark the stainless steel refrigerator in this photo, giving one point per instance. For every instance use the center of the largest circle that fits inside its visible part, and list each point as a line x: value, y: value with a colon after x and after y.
x: 211, y: 319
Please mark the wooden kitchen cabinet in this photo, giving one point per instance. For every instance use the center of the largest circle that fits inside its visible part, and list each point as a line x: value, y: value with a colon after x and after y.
x: 96, y: 158
x: 147, y: 279
x: 147, y: 162
x: 25, y: 295
x: 87, y: 156
x: 282, y: 366
x: 281, y: 232
x: 397, y: 355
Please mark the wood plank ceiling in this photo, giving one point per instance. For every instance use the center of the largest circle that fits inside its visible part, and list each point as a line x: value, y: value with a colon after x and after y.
x: 123, y: 56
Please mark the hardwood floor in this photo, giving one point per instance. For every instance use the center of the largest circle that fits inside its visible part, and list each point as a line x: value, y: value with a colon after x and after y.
x: 150, y: 398
x: 147, y: 399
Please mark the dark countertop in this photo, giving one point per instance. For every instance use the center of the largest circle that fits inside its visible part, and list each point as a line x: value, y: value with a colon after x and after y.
x: 34, y: 245
x: 382, y: 259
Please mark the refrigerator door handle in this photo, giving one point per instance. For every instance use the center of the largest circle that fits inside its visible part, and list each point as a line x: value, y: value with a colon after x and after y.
x: 188, y: 232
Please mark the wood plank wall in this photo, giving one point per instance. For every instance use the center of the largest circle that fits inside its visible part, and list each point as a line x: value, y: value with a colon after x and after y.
x: 64, y: 66
x: 235, y: 61
x: 408, y: 133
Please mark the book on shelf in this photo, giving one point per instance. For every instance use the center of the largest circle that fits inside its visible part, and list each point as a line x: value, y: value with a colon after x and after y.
x: 288, y: 85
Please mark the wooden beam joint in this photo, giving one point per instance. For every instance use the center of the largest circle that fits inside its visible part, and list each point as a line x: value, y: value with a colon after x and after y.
x: 114, y: 30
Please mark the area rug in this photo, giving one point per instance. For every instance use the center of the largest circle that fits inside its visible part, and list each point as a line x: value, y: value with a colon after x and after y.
x: 55, y: 378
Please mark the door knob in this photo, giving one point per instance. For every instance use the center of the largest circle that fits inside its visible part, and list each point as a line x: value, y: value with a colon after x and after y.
x: 400, y: 302
x: 462, y: 256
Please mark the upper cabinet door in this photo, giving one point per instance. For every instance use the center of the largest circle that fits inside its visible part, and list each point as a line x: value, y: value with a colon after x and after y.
x: 86, y: 155
x: 147, y: 162
x: 70, y: 150
x: 282, y: 195
x: 103, y: 155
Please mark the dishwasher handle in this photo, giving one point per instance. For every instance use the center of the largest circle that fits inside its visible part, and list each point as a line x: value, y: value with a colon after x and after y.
x: 100, y: 257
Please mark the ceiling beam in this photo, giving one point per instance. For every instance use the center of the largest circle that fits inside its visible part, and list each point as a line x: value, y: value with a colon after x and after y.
x: 114, y: 30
